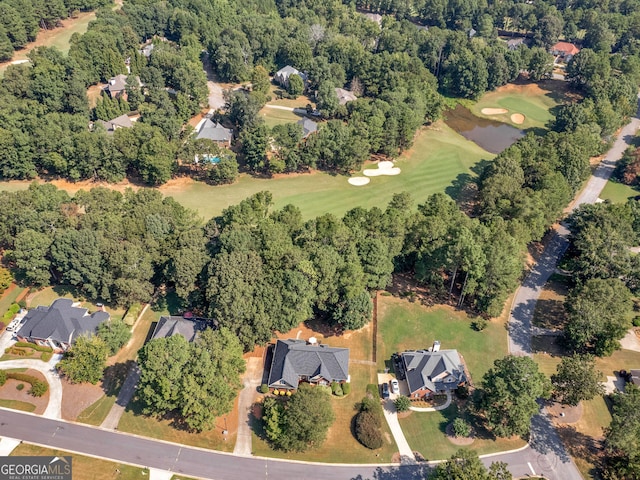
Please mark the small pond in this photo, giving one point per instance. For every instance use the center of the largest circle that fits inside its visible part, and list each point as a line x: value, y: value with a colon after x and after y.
x: 493, y: 136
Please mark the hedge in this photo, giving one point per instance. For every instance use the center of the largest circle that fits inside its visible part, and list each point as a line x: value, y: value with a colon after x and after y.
x: 38, y: 388
x: 39, y: 348
x: 3, y: 377
x: 368, y: 429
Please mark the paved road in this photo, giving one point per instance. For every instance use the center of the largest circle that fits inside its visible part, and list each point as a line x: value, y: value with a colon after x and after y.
x: 545, y: 442
x: 187, y: 461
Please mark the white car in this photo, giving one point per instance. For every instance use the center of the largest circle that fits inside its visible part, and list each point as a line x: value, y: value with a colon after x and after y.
x: 395, y: 387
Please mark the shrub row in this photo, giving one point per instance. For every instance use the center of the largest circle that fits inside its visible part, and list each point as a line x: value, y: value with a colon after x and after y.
x: 13, y: 309
x: 39, y: 348
x: 38, y: 387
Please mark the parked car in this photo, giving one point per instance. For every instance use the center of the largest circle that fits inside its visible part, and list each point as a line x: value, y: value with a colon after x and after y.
x: 385, y: 390
x: 13, y: 325
x: 395, y: 387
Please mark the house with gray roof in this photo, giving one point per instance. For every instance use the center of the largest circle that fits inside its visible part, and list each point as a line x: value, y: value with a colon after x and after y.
x: 58, y: 325
x: 188, y: 327
x: 345, y: 96
x: 214, y: 131
x: 428, y: 372
x: 296, y: 361
x: 282, y: 76
x: 308, y: 127
x: 117, y: 86
x: 123, y: 121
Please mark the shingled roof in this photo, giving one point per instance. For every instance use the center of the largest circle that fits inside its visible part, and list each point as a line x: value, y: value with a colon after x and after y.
x: 62, y: 322
x: 214, y: 131
x: 293, y: 359
x: 436, y: 371
x: 168, y: 326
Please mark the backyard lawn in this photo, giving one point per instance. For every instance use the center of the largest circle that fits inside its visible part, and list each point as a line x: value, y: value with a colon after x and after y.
x: 46, y: 296
x: 86, y: 467
x: 403, y: 325
x: 277, y: 116
x: 9, y: 297
x: 533, y: 100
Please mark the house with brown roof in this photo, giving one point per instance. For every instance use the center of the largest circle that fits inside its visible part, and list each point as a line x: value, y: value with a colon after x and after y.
x: 564, y: 50
x: 123, y: 121
x: 345, y: 96
x: 117, y: 86
x: 296, y: 361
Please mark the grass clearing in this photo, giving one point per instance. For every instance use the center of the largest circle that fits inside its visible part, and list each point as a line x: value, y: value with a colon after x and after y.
x: 404, y: 325
x: 425, y: 433
x: 57, y: 37
x: 96, y: 413
x: 617, y: 192
x: 17, y: 405
x: 86, y: 467
x: 533, y: 100
x: 439, y: 161
x: 277, y: 116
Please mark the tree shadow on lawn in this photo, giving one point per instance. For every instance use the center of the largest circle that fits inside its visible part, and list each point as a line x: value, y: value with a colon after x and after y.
x: 583, y: 447
x: 176, y: 422
x: 115, y: 376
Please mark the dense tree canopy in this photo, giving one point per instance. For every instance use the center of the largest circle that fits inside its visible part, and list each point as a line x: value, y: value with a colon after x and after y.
x: 577, y: 379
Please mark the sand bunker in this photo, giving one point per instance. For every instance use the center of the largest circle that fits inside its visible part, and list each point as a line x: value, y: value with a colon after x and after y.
x: 359, y: 181
x: 494, y: 111
x: 384, y: 168
x: 517, y: 118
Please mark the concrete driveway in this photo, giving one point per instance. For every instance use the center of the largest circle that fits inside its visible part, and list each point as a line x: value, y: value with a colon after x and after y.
x: 391, y: 416
x: 248, y: 395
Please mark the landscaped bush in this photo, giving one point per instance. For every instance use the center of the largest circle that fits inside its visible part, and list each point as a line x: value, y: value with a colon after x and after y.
x: 264, y: 388
x: 3, y: 377
x: 20, y: 352
x: 22, y: 304
x: 46, y: 356
x: 462, y: 392
x: 636, y: 321
x: 20, y: 386
x: 461, y: 428
x: 346, y: 388
x: 336, y: 389
x: 38, y: 388
x: 13, y: 309
x: 368, y: 429
x: 402, y: 403
x: 479, y: 324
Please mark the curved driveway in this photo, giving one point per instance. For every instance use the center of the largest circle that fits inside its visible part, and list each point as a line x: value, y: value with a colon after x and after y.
x: 54, y: 408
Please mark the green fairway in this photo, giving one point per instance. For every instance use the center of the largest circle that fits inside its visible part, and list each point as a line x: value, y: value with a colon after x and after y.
x: 438, y: 157
x: 534, y: 101
x: 58, y: 37
x: 618, y: 192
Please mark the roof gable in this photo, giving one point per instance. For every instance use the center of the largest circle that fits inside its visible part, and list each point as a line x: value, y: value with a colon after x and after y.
x: 293, y: 359
x: 168, y: 326
x: 214, y: 131
x: 433, y: 370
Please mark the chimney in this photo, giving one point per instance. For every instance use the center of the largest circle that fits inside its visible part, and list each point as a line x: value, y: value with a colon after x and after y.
x: 436, y: 346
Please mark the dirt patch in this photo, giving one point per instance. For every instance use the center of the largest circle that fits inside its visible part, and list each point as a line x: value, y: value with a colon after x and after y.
x: 9, y: 392
x: 78, y: 397
x: 458, y: 440
x: 517, y: 118
x: 494, y: 111
x: 405, y: 414
x: 565, y: 414
x: 94, y: 92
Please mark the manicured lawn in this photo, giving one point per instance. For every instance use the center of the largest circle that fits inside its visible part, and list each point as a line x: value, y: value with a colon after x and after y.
x: 86, y: 467
x: 438, y: 158
x: 403, y: 325
x: 425, y: 432
x: 133, y: 421
x: 276, y: 116
x: 439, y: 161
x: 534, y: 101
x: 340, y: 445
x: 58, y: 37
x: 618, y: 192
x: 17, y: 405
x: 9, y: 297
x: 96, y: 413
